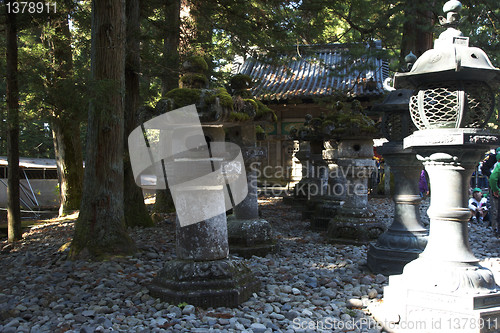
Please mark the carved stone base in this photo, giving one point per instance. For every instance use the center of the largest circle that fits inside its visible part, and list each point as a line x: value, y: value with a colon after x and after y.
x: 354, y: 226
x: 323, y: 213
x: 250, y: 237
x: 296, y: 203
x: 206, y: 284
x: 394, y: 249
x: 462, y: 298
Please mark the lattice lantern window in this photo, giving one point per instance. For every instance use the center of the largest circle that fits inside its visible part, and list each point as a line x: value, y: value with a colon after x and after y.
x: 396, y: 123
x: 453, y: 104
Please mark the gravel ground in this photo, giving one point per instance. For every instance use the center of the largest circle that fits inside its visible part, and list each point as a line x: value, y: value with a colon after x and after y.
x: 307, y: 286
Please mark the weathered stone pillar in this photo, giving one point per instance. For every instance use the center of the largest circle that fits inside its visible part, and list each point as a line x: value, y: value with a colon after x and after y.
x: 249, y: 234
x: 446, y: 285
x: 329, y: 203
x: 355, y: 223
x: 406, y: 238
x: 202, y: 274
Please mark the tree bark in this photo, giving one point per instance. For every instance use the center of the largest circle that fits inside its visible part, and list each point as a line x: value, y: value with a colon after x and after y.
x: 65, y: 124
x: 13, y: 206
x: 170, y: 80
x: 170, y: 75
x: 69, y: 159
x: 136, y: 213
x: 417, y: 29
x: 100, y: 229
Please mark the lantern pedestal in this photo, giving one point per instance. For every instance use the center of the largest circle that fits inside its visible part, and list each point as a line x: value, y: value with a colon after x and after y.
x: 355, y: 223
x: 202, y: 274
x: 329, y: 204
x: 406, y: 238
x: 248, y: 234
x: 445, y: 289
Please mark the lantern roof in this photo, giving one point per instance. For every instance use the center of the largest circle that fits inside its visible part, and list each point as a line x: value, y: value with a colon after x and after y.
x: 396, y: 100
x: 451, y: 59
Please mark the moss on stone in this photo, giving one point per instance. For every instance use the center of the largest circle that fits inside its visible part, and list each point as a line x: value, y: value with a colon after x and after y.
x: 353, y: 122
x: 263, y: 111
x: 225, y: 100
x: 252, y: 102
x: 195, y: 64
x: 239, y: 116
x: 184, y: 96
x: 193, y: 80
x: 240, y: 82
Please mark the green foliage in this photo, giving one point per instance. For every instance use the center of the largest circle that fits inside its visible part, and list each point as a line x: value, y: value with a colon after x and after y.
x: 182, y: 305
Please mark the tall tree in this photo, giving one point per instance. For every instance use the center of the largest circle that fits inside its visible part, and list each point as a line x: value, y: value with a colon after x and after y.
x: 169, y: 78
x: 100, y: 230
x: 136, y: 213
x: 170, y: 75
x: 417, y: 28
x: 13, y: 206
x: 65, y: 119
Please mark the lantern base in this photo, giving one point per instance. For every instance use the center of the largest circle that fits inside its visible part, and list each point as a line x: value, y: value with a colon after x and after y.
x: 213, y: 283
x: 417, y: 304
x: 394, y: 249
x: 323, y: 213
x: 250, y: 237
x: 354, y: 226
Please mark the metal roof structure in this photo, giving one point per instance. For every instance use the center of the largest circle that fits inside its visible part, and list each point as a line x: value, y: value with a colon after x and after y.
x: 321, y: 71
x: 32, y: 163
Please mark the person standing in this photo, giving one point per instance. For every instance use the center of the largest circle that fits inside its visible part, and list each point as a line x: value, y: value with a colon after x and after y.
x: 422, y: 185
x: 494, y: 187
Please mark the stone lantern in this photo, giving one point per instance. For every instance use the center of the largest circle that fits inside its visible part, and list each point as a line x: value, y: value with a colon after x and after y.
x: 313, y: 186
x: 206, y: 177
x: 406, y: 238
x: 446, y: 289
x: 354, y: 223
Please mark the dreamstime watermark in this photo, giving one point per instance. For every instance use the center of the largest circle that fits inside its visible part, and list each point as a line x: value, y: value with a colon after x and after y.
x: 205, y: 180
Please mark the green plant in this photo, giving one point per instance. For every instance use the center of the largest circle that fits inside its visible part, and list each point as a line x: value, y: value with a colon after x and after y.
x: 259, y: 130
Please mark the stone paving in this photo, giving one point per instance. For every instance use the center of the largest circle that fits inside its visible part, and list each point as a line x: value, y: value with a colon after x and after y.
x: 308, y: 285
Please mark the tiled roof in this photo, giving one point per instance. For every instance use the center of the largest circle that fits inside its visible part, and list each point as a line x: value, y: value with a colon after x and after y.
x: 317, y: 74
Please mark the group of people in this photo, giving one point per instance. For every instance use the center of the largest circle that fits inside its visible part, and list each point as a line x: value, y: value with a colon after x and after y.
x: 478, y: 204
x: 483, y: 207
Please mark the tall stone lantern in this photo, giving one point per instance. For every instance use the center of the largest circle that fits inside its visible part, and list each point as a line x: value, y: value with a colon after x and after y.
x: 406, y: 238
x: 354, y: 223
x: 313, y: 186
x: 446, y: 289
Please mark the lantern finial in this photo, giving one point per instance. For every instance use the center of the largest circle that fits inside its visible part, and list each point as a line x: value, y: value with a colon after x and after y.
x: 410, y: 60
x: 451, y: 21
